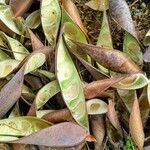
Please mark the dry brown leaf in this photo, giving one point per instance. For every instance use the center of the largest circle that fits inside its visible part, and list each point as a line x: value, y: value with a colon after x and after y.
x: 72, y: 10
x: 144, y: 106
x: 95, y: 88
x: 120, y: 12
x: 19, y: 7
x: 56, y: 136
x: 78, y: 147
x: 135, y: 125
x: 98, y: 129
x: 11, y: 92
x: 114, y: 60
x: 32, y: 110
x: 36, y: 43
x: 112, y: 115
x: 33, y: 81
x: 94, y: 71
x: 58, y: 116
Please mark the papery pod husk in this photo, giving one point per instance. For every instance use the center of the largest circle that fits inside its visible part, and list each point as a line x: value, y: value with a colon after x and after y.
x: 46, y: 92
x: 20, y: 23
x: 3, y: 55
x: 26, y: 89
x: 2, y: 43
x: 34, y: 62
x: 133, y: 82
x: 73, y: 32
x: 2, y: 2
x: 73, y: 12
x: 4, y: 138
x: 14, y: 86
x: 22, y: 126
x: 12, y: 23
x: 101, y: 5
x: 132, y: 48
x: 33, y: 20
x: 94, y: 71
x: 96, y: 107
x: 50, y: 18
x: 19, y: 51
x: 69, y: 81
x: 104, y: 39
x: 41, y: 113
x: 7, y: 66
x: 127, y: 97
x: 47, y: 74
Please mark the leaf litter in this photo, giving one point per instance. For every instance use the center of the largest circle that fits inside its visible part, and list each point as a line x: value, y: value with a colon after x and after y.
x: 74, y: 74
